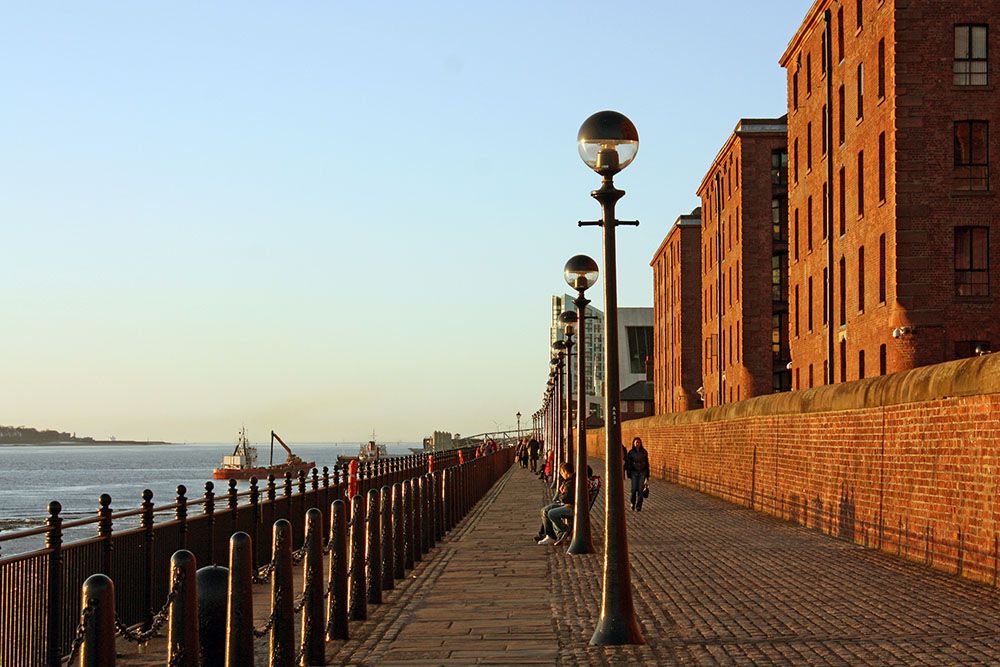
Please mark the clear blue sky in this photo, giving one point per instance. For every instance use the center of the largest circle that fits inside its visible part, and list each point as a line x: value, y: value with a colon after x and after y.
x: 324, y: 217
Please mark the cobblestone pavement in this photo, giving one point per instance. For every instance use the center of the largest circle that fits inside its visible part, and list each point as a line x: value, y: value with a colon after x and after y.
x: 714, y: 584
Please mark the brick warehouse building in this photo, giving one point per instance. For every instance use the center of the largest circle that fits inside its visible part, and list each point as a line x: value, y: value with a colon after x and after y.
x: 890, y: 155
x: 744, y: 252
x: 677, y: 316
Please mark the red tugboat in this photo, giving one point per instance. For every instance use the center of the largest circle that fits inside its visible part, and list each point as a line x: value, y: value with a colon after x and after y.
x: 242, y: 463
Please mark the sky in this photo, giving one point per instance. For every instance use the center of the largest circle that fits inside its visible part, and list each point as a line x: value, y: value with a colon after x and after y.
x: 325, y: 218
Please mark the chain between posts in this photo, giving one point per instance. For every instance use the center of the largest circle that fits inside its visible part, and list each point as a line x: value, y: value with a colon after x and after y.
x: 81, y: 629
x: 159, y: 619
x: 262, y: 632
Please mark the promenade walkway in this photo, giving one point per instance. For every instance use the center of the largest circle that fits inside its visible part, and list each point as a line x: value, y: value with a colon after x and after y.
x: 714, y: 584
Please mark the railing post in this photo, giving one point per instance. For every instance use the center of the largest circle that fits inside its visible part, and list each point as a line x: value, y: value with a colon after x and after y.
x: 147, y: 548
x: 373, y: 553
x: 352, y: 481
x: 282, y: 645
x: 98, y: 647
x: 105, y: 530
x: 426, y: 519
x: 313, y: 641
x: 439, y: 504
x: 239, y: 614
x: 53, y: 542
x: 446, y: 489
x: 337, y: 626
x: 233, y: 504
x: 210, y: 514
x: 326, y: 500
x: 407, y: 504
x: 287, y: 494
x: 213, y: 591
x: 398, y: 538
x: 385, y: 501
x: 300, y: 516
x: 182, y: 626
x: 181, y: 514
x: 359, y: 608
x: 255, y: 523
x: 418, y: 536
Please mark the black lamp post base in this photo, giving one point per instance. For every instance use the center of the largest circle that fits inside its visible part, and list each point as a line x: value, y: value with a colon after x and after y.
x: 580, y: 547
x: 616, y: 631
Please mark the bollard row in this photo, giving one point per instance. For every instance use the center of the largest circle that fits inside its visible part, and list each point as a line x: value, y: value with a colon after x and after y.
x: 387, y: 531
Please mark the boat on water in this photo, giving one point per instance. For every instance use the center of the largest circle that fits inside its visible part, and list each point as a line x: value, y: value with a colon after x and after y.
x: 367, y: 452
x: 242, y: 463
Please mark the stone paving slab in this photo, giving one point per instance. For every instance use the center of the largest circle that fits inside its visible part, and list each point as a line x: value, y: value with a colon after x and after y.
x: 715, y: 584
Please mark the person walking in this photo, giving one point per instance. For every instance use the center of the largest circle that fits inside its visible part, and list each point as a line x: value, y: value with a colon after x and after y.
x: 637, y: 467
x: 534, y: 447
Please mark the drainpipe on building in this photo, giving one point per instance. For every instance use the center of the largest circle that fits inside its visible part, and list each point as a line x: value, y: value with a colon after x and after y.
x: 828, y: 204
x: 718, y: 275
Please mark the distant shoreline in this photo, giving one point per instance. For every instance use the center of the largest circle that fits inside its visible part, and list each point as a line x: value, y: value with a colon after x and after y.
x: 86, y: 443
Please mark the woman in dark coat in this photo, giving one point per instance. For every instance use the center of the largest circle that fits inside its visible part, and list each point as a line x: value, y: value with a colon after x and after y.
x: 637, y: 466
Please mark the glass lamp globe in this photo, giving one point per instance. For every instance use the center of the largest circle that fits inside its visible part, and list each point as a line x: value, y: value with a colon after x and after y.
x: 580, y: 272
x: 568, y: 319
x: 608, y: 142
x: 559, y: 346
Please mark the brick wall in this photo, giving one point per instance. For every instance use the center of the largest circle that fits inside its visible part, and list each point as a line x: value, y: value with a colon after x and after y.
x: 905, y: 463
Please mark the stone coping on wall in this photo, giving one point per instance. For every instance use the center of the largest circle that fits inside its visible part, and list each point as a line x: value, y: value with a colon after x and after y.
x: 965, y: 377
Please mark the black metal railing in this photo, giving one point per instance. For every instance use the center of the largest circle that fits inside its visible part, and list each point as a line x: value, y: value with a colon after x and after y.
x: 40, y: 589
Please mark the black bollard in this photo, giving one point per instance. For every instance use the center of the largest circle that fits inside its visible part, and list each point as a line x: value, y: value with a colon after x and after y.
x: 398, y: 539
x: 417, y: 538
x: 445, y: 499
x: 213, y: 589
x: 373, y: 552
x: 98, y: 648
x: 182, y: 625
x: 358, y: 605
x: 337, y: 625
x: 239, y: 616
x: 426, y: 520
x: 407, y: 493
x: 388, y: 542
x: 312, y: 611
x: 282, y: 645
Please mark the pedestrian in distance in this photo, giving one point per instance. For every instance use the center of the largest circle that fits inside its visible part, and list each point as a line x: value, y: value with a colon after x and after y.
x: 534, y: 448
x: 637, y: 468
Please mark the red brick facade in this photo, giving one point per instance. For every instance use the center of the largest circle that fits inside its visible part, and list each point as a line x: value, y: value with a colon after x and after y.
x: 917, y: 479
x: 677, y: 316
x: 745, y: 225
x: 873, y: 165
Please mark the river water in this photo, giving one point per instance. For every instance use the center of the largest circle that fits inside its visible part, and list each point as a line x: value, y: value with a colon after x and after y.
x: 76, y: 476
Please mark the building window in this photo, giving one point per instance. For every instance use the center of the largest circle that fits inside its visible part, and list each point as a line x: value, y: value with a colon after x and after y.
x: 843, y: 361
x: 840, y: 34
x: 640, y: 347
x: 858, y: 14
x: 809, y: 75
x: 861, y: 279
x: 826, y: 212
x: 798, y: 383
x: 779, y: 219
x: 842, y: 201
x: 881, y: 359
x: 779, y: 168
x: 970, y: 55
x: 861, y: 91
x: 881, y: 167
x: 825, y: 125
x: 779, y: 277
x: 826, y: 299
x: 810, y: 376
x: 881, y: 69
x: 795, y: 88
x: 861, y: 183
x: 796, y: 311
x: 840, y: 114
x: 972, y: 165
x: 795, y: 161
x: 809, y: 305
x: 842, y: 320
x: 971, y: 348
x: 809, y: 146
x: 809, y: 224
x: 797, y: 236
x: 861, y: 364
x: 972, y: 261
x: 881, y: 268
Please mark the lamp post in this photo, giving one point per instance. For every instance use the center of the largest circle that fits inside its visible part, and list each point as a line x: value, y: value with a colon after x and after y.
x: 581, y: 273
x: 559, y: 352
x: 518, y: 415
x: 608, y: 142
x: 568, y: 320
